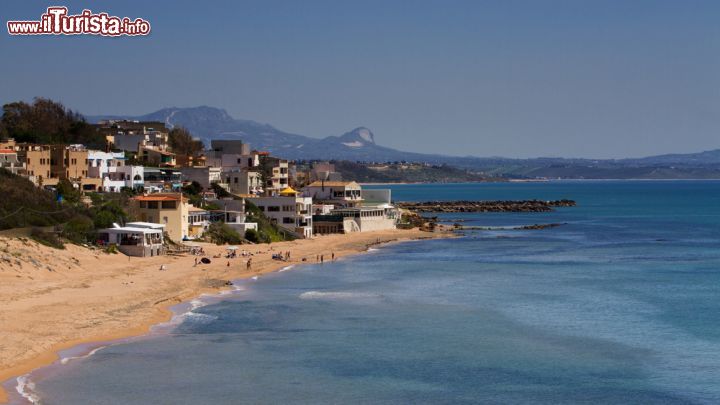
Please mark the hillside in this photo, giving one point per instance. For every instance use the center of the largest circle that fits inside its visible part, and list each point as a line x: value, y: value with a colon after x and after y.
x: 24, y: 205
x: 404, y: 173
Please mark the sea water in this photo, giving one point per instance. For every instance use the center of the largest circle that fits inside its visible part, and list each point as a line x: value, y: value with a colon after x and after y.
x: 621, y: 304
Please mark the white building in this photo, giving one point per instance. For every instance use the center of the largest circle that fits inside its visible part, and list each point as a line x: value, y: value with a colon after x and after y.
x: 243, y: 181
x: 135, y: 240
x: 374, y: 212
x: 111, y: 168
x: 339, y: 193
x: 288, y: 210
x: 204, y: 175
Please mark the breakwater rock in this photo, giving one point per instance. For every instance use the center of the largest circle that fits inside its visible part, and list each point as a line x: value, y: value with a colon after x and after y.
x: 486, y: 206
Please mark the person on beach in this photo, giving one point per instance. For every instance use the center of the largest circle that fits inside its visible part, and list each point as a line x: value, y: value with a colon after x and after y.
x: 333, y: 256
x: 228, y: 265
x: 196, y: 262
x: 249, y: 263
x: 322, y: 258
x: 317, y: 258
x: 162, y: 267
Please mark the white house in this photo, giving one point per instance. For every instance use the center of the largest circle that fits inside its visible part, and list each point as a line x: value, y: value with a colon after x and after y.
x: 339, y: 193
x: 135, y: 240
x: 288, y: 210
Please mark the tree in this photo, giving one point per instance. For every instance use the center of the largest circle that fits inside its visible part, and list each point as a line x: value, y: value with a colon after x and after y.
x: 68, y: 191
x: 220, y: 192
x: 182, y: 142
x: 193, y: 188
x: 49, y: 122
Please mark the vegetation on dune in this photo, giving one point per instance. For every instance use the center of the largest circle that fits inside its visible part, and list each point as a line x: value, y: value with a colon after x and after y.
x: 25, y: 205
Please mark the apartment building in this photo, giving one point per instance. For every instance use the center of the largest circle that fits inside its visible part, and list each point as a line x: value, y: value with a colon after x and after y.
x: 169, y: 209
x: 288, y: 210
x: 243, y: 181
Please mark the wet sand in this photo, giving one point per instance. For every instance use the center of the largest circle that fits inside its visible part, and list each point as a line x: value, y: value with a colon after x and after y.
x: 56, y: 299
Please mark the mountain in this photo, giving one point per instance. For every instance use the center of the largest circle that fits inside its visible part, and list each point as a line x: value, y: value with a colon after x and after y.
x: 209, y: 123
x: 359, y: 144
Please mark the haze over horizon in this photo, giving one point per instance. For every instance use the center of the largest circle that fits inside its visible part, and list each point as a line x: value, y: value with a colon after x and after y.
x: 598, y: 79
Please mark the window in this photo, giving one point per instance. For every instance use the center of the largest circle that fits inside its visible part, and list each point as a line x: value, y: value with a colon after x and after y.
x: 288, y: 220
x: 273, y: 208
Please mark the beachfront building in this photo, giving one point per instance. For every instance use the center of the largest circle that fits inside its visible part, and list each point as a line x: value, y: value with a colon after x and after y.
x: 376, y: 212
x: 169, y: 209
x: 135, y: 239
x: 289, y: 210
x: 341, y: 194
x: 198, y: 222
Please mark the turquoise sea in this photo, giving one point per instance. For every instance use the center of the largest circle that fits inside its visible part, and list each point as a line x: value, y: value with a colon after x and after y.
x: 619, y: 305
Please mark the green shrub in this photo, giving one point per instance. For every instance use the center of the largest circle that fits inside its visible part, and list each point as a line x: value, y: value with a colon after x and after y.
x: 79, y: 229
x: 47, y: 238
x: 267, y: 231
x: 252, y: 235
x: 220, y: 234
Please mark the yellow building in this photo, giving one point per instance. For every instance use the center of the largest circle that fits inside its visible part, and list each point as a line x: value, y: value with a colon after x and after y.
x: 170, y: 210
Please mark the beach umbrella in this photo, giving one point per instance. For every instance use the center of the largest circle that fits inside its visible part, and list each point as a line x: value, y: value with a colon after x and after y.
x: 205, y: 260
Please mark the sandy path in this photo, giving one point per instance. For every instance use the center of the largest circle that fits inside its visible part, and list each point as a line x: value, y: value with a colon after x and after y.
x: 51, y: 299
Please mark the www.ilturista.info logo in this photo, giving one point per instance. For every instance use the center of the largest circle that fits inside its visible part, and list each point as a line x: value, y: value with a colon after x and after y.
x: 56, y: 21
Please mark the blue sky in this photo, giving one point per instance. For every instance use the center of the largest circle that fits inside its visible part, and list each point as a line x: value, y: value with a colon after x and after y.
x: 485, y: 78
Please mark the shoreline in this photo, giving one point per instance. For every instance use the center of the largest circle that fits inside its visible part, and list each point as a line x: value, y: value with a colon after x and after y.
x: 161, y: 312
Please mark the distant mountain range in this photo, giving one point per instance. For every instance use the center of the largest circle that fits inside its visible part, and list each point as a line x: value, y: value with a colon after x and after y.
x: 208, y: 123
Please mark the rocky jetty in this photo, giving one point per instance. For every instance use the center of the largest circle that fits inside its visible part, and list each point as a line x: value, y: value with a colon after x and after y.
x: 486, y: 206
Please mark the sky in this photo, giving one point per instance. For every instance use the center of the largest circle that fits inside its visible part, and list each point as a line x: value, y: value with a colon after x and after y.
x: 577, y: 78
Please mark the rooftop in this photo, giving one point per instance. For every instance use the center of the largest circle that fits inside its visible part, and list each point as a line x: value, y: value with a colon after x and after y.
x: 334, y: 184
x: 158, y: 197
x: 150, y: 225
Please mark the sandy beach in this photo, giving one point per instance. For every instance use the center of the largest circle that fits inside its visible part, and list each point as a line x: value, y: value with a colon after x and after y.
x: 55, y: 299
